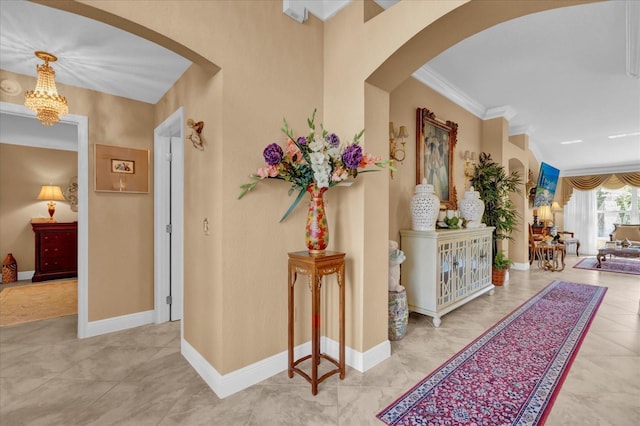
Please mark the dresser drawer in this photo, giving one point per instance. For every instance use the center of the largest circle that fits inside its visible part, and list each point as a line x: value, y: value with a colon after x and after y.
x: 57, y: 264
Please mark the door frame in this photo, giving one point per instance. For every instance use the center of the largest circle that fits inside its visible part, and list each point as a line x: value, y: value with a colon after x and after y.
x: 171, y: 128
x: 82, y: 143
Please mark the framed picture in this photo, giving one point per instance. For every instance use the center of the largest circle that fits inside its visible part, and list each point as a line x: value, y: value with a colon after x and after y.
x: 435, y: 143
x: 121, y: 169
x: 123, y: 166
x: 546, y: 188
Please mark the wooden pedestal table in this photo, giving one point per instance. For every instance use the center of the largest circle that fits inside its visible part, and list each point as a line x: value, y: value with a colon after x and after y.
x: 316, y: 266
x: 551, y: 256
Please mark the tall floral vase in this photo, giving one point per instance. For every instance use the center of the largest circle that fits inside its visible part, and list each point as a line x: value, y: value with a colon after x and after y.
x: 316, y: 230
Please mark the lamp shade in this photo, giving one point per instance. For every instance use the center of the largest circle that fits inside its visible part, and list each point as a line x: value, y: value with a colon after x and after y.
x: 50, y: 193
x: 544, y: 213
x: 556, y: 207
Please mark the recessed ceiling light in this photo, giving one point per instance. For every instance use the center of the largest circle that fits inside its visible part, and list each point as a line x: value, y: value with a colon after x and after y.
x: 570, y: 142
x: 623, y: 135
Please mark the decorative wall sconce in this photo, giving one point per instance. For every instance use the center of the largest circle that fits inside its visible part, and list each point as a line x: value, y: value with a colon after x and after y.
x: 469, y: 163
x: 71, y: 193
x: 531, y: 188
x: 196, y: 135
x: 44, y: 99
x: 395, y: 153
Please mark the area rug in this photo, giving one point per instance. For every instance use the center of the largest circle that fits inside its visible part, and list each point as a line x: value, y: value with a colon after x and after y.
x: 38, y: 301
x: 512, y: 373
x: 615, y: 264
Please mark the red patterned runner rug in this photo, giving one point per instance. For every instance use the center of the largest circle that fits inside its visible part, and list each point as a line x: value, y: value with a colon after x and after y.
x: 616, y: 264
x: 512, y: 373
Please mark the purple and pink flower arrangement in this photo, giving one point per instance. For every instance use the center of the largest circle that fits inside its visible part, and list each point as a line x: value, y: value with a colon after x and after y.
x: 316, y: 159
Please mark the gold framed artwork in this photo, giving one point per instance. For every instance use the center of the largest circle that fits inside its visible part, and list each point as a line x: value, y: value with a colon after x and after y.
x: 435, y: 143
x: 121, y: 169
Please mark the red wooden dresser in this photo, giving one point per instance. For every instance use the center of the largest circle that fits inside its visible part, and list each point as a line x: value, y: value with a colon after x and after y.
x: 56, y: 250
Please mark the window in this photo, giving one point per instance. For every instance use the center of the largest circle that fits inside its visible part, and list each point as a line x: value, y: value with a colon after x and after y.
x: 616, y: 206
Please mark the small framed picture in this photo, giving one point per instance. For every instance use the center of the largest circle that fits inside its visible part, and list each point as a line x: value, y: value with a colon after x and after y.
x: 123, y: 166
x: 121, y: 169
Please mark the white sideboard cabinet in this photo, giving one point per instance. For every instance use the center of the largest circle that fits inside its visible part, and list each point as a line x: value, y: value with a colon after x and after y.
x: 445, y: 268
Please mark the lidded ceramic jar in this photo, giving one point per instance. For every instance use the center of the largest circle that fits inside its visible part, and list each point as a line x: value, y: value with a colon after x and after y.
x: 425, y: 206
x: 472, y: 208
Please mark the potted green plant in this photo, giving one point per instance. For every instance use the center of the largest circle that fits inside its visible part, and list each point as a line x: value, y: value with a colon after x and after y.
x: 499, y: 268
x: 494, y: 184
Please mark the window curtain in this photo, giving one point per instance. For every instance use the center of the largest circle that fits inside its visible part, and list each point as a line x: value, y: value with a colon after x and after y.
x: 584, y: 183
x: 580, y: 216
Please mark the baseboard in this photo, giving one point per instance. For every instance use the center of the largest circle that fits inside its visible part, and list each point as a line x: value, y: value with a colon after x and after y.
x: 109, y: 325
x: 228, y: 384
x: 25, y: 275
x: 521, y: 266
x: 361, y: 361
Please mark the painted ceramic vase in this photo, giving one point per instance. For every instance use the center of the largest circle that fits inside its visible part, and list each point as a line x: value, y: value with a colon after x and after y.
x: 425, y: 206
x: 316, y: 230
x: 398, y: 315
x: 9, y: 269
x: 472, y: 208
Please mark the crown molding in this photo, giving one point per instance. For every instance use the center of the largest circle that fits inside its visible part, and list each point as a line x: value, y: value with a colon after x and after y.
x: 428, y: 76
x: 321, y: 9
x: 525, y: 129
x: 325, y: 9
x: 506, y: 111
x: 622, y: 168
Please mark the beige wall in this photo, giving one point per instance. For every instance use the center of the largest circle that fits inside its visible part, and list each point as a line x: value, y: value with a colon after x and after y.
x: 270, y: 67
x: 235, y: 278
x: 120, y: 279
x: 405, y: 100
x: 23, y: 170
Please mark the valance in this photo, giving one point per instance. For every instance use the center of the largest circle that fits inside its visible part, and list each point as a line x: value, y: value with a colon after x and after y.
x: 585, y: 183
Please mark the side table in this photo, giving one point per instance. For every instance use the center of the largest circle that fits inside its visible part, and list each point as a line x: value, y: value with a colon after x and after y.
x: 551, y: 256
x: 316, y: 266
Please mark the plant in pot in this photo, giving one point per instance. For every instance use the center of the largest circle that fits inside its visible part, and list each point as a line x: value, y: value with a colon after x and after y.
x: 499, y: 269
x: 494, y: 184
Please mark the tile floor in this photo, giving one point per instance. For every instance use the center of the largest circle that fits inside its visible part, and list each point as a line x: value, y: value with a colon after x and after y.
x: 138, y: 377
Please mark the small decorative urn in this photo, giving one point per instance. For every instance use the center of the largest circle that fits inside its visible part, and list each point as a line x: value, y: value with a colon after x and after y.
x: 472, y: 208
x: 425, y: 206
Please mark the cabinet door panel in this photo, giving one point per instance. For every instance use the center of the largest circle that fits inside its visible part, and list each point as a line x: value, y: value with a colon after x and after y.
x: 445, y: 280
x: 480, y: 266
x: 460, y: 261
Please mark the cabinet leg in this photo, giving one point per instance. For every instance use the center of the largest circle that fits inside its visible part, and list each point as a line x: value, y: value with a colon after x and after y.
x: 436, y: 322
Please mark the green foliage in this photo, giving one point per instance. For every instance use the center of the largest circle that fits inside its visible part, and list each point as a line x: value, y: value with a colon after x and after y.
x: 494, y: 185
x: 455, y: 222
x: 500, y: 261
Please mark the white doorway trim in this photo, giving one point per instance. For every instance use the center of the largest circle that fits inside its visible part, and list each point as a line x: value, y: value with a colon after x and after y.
x: 168, y: 191
x: 82, y: 124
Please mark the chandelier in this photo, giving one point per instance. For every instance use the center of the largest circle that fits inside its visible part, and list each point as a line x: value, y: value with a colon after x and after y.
x: 45, y: 100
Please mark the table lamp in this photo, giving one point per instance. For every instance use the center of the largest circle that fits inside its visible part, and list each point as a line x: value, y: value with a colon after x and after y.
x: 51, y: 193
x: 544, y: 215
x: 555, y: 208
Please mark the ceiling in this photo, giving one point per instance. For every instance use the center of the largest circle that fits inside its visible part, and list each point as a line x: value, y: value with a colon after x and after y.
x: 557, y: 75
x: 90, y: 54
